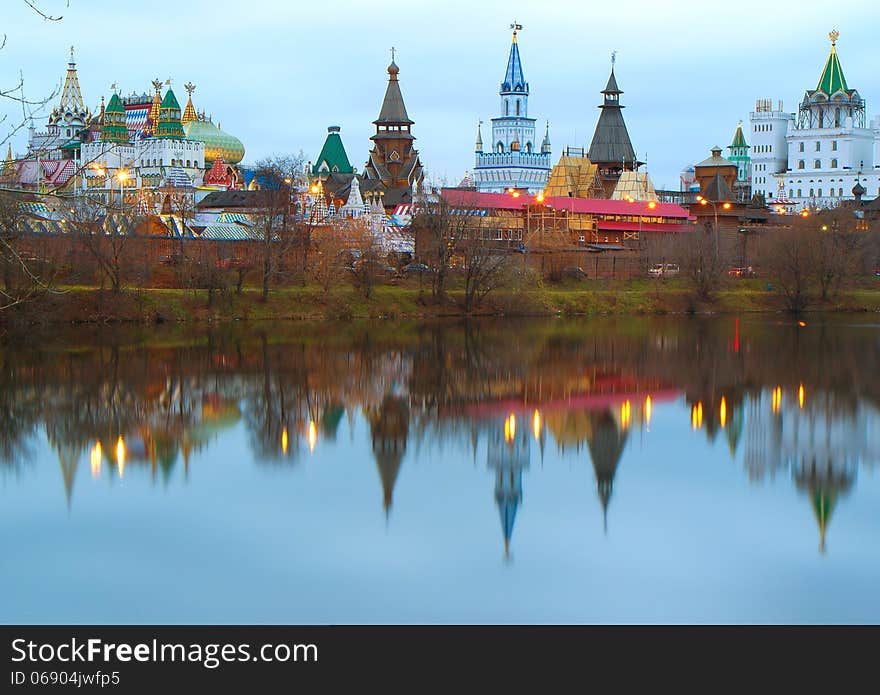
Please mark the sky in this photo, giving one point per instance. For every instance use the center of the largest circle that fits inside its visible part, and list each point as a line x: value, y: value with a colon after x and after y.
x: 276, y: 73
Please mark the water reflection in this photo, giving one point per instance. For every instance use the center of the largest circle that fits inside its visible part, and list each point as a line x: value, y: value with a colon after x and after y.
x: 782, y: 399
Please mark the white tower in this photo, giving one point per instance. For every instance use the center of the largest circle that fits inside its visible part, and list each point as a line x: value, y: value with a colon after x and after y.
x: 769, y: 150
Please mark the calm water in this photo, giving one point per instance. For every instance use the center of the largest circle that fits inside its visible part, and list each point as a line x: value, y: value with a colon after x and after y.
x: 636, y: 470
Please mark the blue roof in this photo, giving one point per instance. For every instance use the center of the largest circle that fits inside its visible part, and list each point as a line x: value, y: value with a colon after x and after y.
x: 514, y: 80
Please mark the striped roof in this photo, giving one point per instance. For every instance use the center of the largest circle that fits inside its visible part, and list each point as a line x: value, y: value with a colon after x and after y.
x: 136, y: 120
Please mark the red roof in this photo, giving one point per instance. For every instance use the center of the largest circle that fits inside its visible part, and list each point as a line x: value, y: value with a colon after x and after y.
x: 589, y: 206
x: 613, y: 226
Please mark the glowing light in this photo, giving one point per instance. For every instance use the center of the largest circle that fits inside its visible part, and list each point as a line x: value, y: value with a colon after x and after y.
x: 540, y: 197
x: 313, y: 435
x: 722, y: 412
x: 96, y: 459
x: 122, y: 175
x: 649, y: 408
x: 314, y: 189
x: 510, y: 428
x: 515, y: 194
x: 726, y: 206
x: 697, y: 415
x: 120, y: 456
x: 284, y: 441
x: 776, y: 399
x: 805, y: 213
x: 801, y: 396
x: 625, y: 414
x: 652, y: 204
x: 802, y: 323
x: 536, y: 425
x: 703, y: 201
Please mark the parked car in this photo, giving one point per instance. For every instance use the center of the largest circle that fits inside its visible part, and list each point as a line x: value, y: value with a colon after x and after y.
x: 233, y: 264
x: 662, y: 270
x: 742, y: 272
x: 416, y: 269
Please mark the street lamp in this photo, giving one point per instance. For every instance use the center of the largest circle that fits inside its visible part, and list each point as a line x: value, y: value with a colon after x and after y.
x: 714, y: 204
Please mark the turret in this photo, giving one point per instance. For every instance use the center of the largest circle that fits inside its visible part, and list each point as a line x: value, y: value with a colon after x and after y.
x: 545, y: 145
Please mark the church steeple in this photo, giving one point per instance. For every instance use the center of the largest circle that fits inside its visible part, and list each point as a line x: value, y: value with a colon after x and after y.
x: 153, y: 118
x: 611, y: 148
x: 189, y: 113
x: 514, y: 80
x: 71, y: 96
x: 114, y: 127
x: 478, y: 147
x: 545, y: 145
x: 169, y: 125
x: 832, y: 79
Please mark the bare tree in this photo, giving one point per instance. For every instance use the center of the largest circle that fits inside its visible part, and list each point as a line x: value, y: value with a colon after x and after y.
x: 837, y: 247
x: 701, y: 261
x: 367, y: 266
x: 105, y: 236
x: 328, y: 258
x: 789, y: 262
x: 484, y: 264
x: 439, y: 228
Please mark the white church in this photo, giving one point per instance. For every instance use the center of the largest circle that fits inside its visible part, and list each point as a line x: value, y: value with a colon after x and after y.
x: 816, y: 157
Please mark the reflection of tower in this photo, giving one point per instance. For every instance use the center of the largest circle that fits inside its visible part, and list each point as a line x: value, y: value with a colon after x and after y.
x: 606, y: 441
x: 389, y: 426
x: 824, y: 482
x: 508, y: 456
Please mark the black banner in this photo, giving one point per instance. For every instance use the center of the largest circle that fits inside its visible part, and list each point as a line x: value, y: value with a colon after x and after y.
x: 418, y: 658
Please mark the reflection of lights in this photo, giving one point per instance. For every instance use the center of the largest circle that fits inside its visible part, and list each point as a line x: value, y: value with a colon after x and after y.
x: 120, y: 455
x: 776, y: 399
x: 697, y: 415
x: 284, y: 440
x: 625, y: 414
x: 536, y: 424
x: 801, y: 395
x: 722, y: 412
x: 96, y: 459
x: 510, y: 428
x: 802, y: 323
x: 313, y: 435
x: 649, y: 407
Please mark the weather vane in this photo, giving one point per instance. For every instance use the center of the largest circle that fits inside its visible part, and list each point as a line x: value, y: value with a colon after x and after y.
x: 834, y: 35
x: 392, y: 54
x: 516, y: 26
x: 613, y: 58
x: 190, y: 88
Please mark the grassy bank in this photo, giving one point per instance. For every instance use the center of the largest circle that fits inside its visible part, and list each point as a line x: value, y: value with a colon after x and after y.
x: 91, y: 305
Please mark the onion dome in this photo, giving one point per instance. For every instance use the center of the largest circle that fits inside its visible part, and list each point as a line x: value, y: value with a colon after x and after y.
x: 859, y: 190
x: 217, y: 143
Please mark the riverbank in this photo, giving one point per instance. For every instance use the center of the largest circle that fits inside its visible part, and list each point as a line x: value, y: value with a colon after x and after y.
x: 634, y: 297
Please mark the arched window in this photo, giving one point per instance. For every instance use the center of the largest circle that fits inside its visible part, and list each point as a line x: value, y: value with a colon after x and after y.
x: 500, y: 147
x: 517, y: 107
x: 840, y: 192
x: 791, y: 193
x: 820, y: 192
x: 817, y: 164
x: 837, y: 118
x: 506, y: 107
x: 833, y: 163
x: 800, y: 164
x: 800, y: 193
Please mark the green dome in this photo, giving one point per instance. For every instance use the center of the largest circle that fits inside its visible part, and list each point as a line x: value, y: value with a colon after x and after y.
x: 217, y: 143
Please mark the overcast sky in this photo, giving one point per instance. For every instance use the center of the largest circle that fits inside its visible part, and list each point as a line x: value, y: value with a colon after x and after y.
x: 276, y: 73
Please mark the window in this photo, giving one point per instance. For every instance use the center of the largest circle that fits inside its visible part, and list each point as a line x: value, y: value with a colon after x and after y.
x: 833, y: 163
x: 791, y: 193
x: 818, y: 147
x: 812, y: 193
x: 820, y: 192
x: 800, y: 193
x: 800, y: 147
x: 834, y: 145
x: 840, y: 192
x: 817, y: 164
x: 517, y: 107
x: 800, y: 164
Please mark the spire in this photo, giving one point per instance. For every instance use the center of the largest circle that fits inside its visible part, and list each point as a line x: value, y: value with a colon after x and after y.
x: 393, y: 109
x: 611, y: 143
x: 514, y: 80
x: 189, y: 113
x: 739, y: 140
x: 545, y: 145
x: 832, y: 79
x: 169, y: 125
x: 114, y: 127
x: 479, y: 144
x: 71, y: 97
x: 153, y: 117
